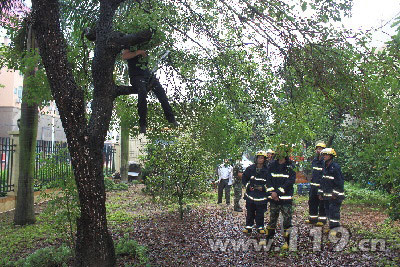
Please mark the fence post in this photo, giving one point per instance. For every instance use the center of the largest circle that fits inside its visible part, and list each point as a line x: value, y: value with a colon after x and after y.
x: 117, y: 157
x: 15, y: 166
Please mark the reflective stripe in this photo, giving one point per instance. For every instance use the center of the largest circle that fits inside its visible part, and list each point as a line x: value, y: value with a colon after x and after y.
x: 316, y: 168
x: 328, y: 177
x: 338, y: 193
x: 336, y: 221
x: 312, y: 216
x: 322, y: 218
x: 320, y: 191
x: 282, y: 190
x: 285, y: 197
x: 260, y: 179
x: 279, y: 175
x: 270, y: 189
x: 314, y: 184
x: 252, y: 177
x: 256, y: 199
x: 327, y: 195
x: 248, y: 183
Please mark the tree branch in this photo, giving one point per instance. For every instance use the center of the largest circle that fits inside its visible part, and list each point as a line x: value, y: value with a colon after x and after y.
x: 125, y: 90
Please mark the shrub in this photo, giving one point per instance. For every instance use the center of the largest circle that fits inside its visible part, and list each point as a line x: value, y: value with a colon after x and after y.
x: 131, y: 247
x: 46, y: 257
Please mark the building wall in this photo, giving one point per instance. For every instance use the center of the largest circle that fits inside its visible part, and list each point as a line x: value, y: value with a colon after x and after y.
x: 11, y: 86
x: 136, y: 148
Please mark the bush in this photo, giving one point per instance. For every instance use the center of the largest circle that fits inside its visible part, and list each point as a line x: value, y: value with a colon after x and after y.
x: 46, y: 257
x: 355, y: 193
x: 131, y: 247
x: 110, y: 185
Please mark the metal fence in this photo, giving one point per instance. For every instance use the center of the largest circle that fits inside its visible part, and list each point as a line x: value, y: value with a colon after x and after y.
x: 6, y: 152
x: 52, y: 162
x: 108, y: 159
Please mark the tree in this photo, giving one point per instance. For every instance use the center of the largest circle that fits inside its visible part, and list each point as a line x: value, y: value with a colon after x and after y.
x: 24, y: 57
x: 180, y: 171
x: 94, y: 246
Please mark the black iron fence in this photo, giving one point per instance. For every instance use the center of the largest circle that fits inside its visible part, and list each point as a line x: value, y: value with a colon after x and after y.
x: 52, y: 163
x: 6, y: 152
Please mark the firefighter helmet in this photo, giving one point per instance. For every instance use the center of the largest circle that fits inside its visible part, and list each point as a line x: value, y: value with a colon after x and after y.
x: 261, y: 153
x: 328, y: 151
x: 320, y: 144
x: 270, y: 151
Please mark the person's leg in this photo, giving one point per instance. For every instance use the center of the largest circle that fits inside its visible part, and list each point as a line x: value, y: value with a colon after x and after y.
x: 251, y: 214
x: 237, y: 187
x: 260, y: 209
x: 313, y: 202
x: 221, y: 186
x: 162, y: 98
x: 334, y: 213
x: 321, y: 212
x: 140, y: 82
x: 228, y: 193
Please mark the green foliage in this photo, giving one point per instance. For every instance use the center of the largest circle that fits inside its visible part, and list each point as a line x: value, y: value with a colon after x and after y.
x: 127, y: 246
x: 46, y: 257
x: 63, y: 208
x: 112, y: 186
x: 357, y: 194
x: 180, y: 170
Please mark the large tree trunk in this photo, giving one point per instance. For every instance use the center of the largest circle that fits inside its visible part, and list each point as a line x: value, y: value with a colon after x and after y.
x: 24, y: 208
x: 124, y: 150
x: 94, y: 246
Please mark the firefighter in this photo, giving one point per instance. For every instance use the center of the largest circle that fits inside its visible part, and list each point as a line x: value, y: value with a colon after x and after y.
x: 332, y: 188
x: 237, y: 185
x: 316, y: 207
x: 254, y: 180
x: 280, y: 184
x: 270, y: 157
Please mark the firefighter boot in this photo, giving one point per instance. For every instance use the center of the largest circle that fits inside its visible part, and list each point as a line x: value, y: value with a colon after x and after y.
x: 261, y: 230
x: 286, y: 235
x: 270, y: 232
x: 312, y: 219
x: 247, y: 229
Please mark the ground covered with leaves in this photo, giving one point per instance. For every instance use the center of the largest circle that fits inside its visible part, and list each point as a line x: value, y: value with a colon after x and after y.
x: 210, y: 235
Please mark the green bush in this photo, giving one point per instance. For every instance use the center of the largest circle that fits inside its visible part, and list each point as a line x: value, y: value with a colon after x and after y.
x: 110, y: 185
x: 131, y: 247
x: 357, y: 194
x: 46, y: 257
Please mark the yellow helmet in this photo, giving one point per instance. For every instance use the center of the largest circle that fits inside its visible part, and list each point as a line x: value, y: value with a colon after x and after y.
x: 261, y: 153
x: 320, y: 144
x: 270, y: 151
x: 329, y: 151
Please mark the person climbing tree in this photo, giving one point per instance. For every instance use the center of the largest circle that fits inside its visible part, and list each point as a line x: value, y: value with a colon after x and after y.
x: 143, y: 80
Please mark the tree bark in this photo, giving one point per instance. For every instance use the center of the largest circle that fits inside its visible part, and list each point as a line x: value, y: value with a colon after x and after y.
x: 94, y: 245
x: 124, y: 150
x: 24, y: 208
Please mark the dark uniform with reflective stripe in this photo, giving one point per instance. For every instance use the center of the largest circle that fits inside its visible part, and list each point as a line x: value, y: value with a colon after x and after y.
x: 281, y: 181
x: 256, y: 195
x: 315, y: 205
x: 332, y: 190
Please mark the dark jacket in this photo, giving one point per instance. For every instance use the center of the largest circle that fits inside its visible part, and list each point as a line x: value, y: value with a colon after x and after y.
x: 281, y: 181
x: 332, y: 182
x: 255, y: 184
x: 137, y: 67
x: 317, y: 170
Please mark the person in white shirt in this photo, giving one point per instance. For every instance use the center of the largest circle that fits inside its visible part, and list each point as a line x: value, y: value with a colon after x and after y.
x: 225, y: 180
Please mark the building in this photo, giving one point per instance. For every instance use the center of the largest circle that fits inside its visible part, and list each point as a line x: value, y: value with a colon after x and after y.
x: 11, y: 87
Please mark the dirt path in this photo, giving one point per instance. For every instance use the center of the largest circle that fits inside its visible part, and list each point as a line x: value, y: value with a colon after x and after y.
x: 210, y: 235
